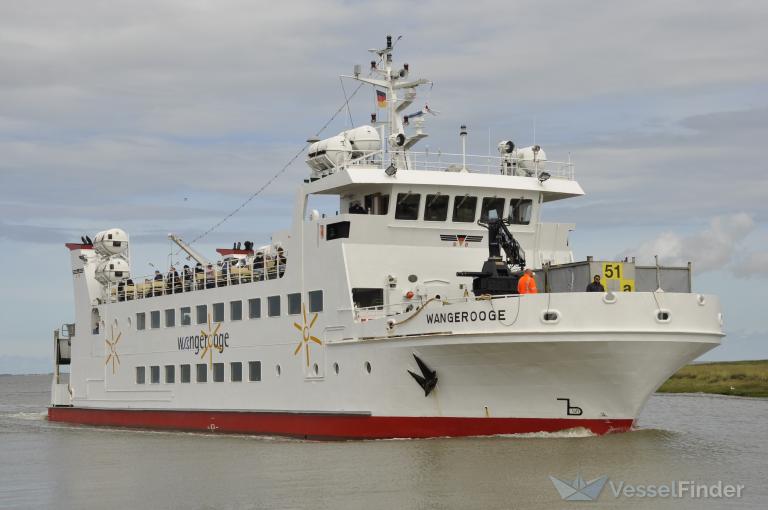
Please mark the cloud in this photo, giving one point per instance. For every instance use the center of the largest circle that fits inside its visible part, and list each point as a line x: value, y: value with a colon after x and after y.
x: 716, y: 247
x: 752, y: 264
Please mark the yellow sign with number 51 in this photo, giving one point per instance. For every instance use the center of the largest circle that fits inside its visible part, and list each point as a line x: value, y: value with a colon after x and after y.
x: 613, y: 270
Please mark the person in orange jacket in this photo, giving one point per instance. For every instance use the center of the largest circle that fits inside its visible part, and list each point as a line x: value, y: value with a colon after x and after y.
x: 526, y: 284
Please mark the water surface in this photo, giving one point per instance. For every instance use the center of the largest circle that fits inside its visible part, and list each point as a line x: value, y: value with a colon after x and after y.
x: 680, y: 437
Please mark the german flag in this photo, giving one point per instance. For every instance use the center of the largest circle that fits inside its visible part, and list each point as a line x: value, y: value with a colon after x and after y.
x: 381, y: 98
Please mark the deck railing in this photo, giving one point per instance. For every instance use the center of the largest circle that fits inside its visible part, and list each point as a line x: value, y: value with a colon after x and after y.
x: 194, y: 280
x: 450, y: 162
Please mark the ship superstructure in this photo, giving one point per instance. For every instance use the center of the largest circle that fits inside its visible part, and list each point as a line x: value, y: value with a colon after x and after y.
x: 397, y: 317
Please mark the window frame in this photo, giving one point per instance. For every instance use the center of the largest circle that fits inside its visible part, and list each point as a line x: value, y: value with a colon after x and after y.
x: 238, y: 303
x: 434, y: 197
x: 400, y: 201
x: 198, y: 371
x: 218, y: 372
x: 204, y: 309
x: 270, y: 301
x: 310, y: 303
x: 251, y: 308
x: 515, y: 205
x: 141, y: 375
x: 254, y: 367
x: 217, y: 310
x: 498, y: 200
x: 185, y: 367
x: 154, y: 374
x: 170, y: 369
x: 232, y: 365
x: 181, y: 315
x: 141, y: 321
x: 293, y: 307
x: 169, y: 312
x: 458, y: 201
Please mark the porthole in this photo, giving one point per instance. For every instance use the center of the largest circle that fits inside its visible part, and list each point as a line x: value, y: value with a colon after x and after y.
x: 663, y: 315
x: 336, y: 368
x: 315, y: 369
x: 368, y: 366
x: 278, y: 370
x: 550, y: 316
x: 413, y: 278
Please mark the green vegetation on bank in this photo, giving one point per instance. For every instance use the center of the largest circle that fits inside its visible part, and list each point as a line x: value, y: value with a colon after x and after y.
x: 742, y: 378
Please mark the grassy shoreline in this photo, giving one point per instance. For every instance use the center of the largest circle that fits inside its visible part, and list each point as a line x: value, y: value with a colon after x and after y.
x: 741, y: 378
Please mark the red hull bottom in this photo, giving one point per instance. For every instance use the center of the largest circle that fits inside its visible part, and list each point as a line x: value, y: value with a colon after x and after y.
x: 325, y: 426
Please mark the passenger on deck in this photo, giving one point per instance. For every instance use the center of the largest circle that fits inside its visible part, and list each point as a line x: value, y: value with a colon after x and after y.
x: 131, y: 291
x: 223, y: 278
x: 281, y: 261
x: 199, y: 280
x: 172, y: 282
x: 258, y: 266
x: 356, y: 208
x: 187, y: 278
x: 210, y: 277
x: 157, y: 290
x: 595, y: 286
x: 526, y: 284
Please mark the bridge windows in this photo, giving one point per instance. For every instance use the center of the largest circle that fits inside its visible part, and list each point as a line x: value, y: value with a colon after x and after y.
x: 464, y: 209
x: 236, y: 371
x: 436, y: 208
x: 236, y: 310
x: 141, y: 321
x: 254, y: 308
x: 202, y: 314
x: 294, y: 304
x: 170, y: 318
x: 315, y: 301
x: 492, y: 203
x: 407, y: 207
x: 170, y: 374
x: 377, y: 204
x: 202, y: 372
x: 185, y: 373
x: 186, y: 315
x: 218, y: 312
x: 273, y: 306
x: 520, y: 210
x: 140, y: 373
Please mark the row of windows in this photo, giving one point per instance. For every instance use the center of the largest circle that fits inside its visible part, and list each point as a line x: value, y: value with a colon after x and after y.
x: 464, y: 208
x: 201, y: 373
x: 315, y: 302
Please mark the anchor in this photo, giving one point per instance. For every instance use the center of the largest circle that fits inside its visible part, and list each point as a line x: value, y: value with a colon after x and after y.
x: 428, y: 379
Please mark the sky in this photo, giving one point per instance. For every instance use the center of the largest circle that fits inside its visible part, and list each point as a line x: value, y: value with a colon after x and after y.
x: 164, y: 115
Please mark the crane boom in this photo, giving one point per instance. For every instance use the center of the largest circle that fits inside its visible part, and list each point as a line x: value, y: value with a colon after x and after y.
x: 192, y: 253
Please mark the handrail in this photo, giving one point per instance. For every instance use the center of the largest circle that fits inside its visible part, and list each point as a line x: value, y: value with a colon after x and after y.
x: 446, y: 161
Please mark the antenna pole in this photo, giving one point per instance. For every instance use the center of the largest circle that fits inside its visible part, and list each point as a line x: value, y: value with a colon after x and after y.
x: 463, y: 135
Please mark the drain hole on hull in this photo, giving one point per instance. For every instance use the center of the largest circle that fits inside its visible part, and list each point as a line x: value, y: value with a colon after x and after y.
x: 336, y: 368
x: 663, y: 315
x: 368, y: 366
x: 550, y: 316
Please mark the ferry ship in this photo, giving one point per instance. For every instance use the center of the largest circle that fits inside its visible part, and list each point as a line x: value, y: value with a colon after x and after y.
x: 397, y: 317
